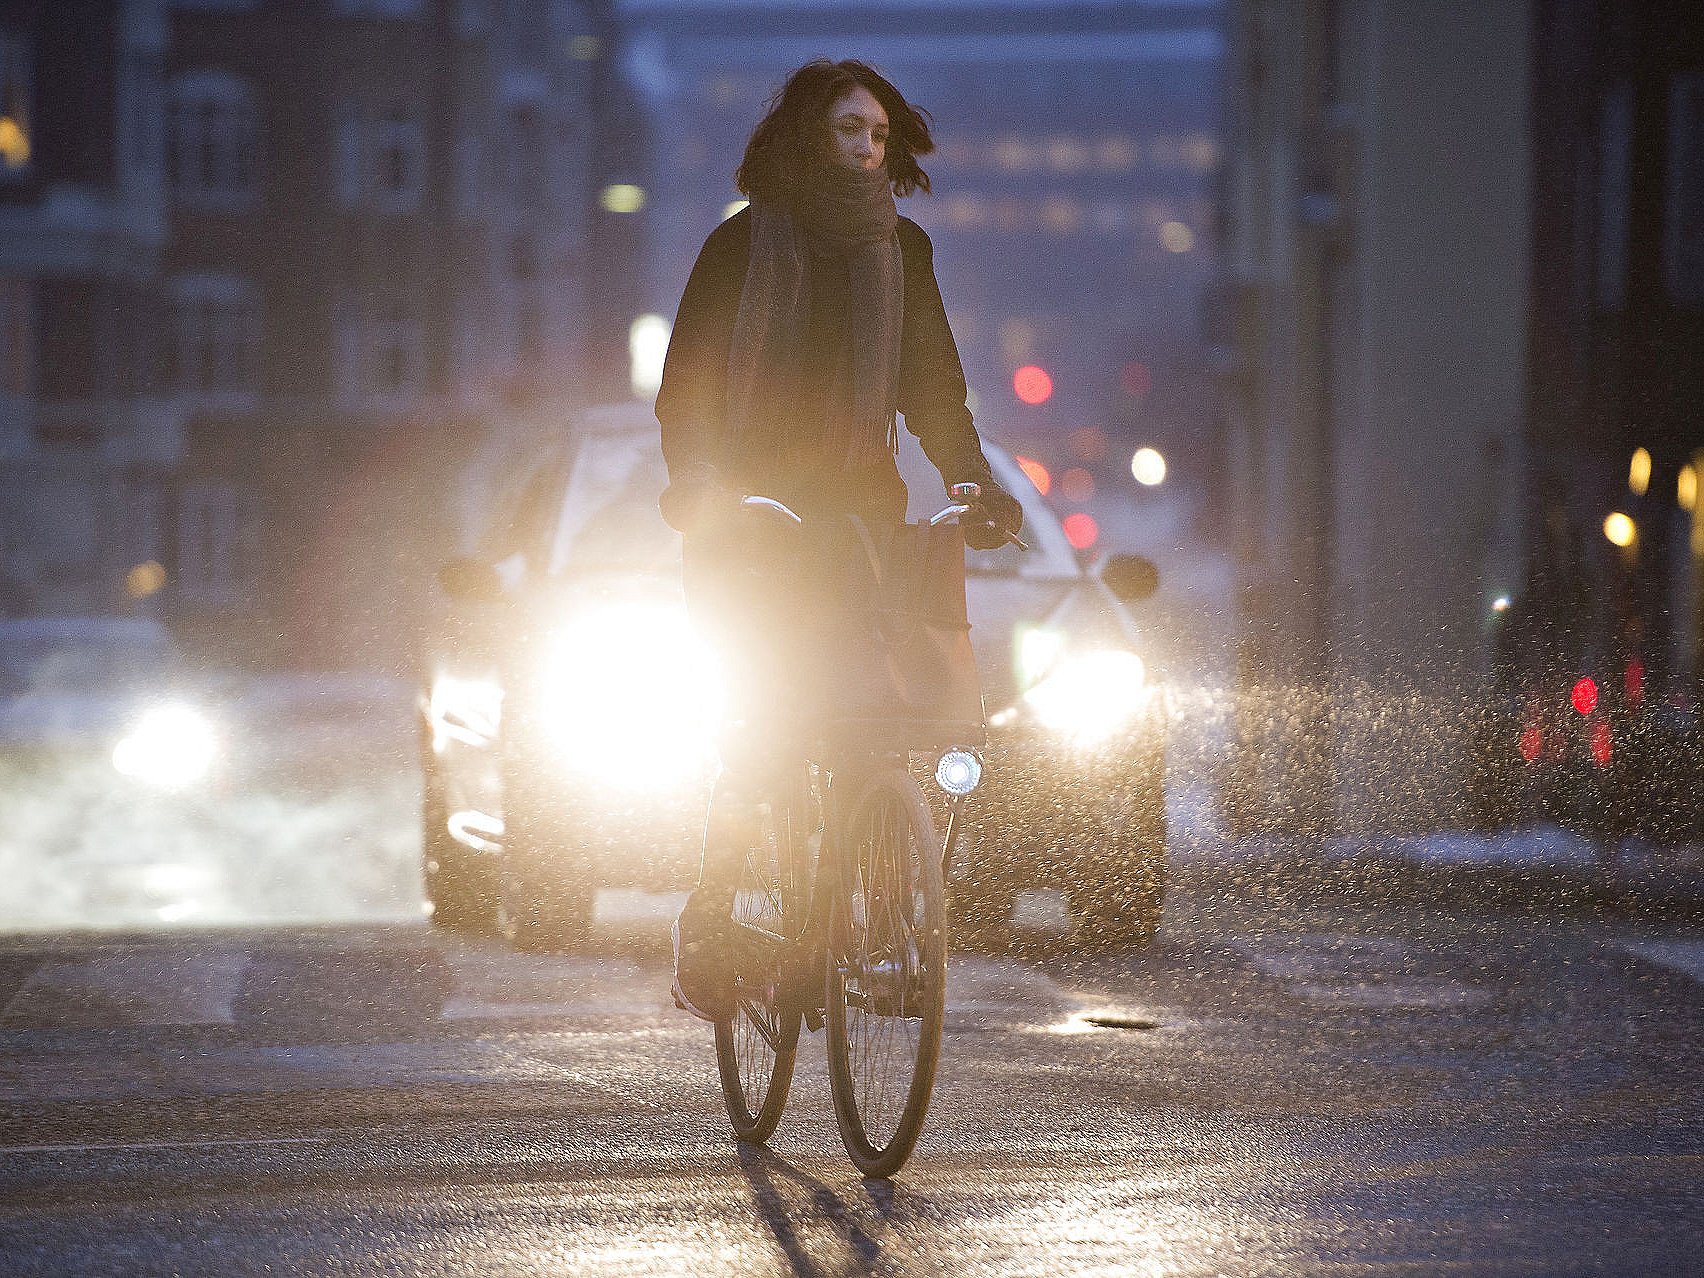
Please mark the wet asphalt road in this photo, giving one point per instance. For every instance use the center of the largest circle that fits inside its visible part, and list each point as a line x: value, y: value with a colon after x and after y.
x: 1413, y: 1088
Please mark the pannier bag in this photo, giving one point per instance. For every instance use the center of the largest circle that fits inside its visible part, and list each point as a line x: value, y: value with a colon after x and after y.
x: 891, y: 652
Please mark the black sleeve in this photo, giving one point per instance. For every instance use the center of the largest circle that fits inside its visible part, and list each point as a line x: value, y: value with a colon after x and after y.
x: 691, y: 403
x: 932, y: 390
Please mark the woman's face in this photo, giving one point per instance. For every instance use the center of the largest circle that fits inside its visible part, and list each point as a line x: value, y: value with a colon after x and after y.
x: 858, y: 130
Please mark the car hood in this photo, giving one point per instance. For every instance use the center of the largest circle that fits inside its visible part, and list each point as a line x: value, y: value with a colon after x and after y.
x: 1002, y: 609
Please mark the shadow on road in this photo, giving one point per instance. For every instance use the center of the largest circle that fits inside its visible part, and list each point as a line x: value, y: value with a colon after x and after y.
x: 796, y: 1207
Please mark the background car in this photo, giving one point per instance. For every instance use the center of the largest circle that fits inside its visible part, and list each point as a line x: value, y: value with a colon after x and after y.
x: 568, y: 714
x: 113, y: 690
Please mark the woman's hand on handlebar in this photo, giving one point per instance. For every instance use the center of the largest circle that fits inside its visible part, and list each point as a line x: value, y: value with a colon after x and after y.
x: 1002, y: 518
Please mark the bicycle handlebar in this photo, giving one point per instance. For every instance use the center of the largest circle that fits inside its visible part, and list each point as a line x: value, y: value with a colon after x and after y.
x: 769, y: 503
x: 957, y: 510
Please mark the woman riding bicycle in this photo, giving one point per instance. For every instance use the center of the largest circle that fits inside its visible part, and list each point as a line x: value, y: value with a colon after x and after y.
x: 810, y: 320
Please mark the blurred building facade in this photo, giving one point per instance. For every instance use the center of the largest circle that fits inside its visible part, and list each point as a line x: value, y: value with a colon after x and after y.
x: 1373, y: 323
x: 88, y: 432
x: 1072, y: 215
x: 362, y: 232
x: 1617, y: 367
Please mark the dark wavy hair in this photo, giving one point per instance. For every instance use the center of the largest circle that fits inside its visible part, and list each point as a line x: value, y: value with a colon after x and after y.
x: 791, y: 142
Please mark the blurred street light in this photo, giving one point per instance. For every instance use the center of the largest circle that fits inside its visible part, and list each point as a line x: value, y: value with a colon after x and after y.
x: 647, y: 344
x: 1032, y: 384
x: 1620, y: 529
x: 1081, y: 530
x: 1038, y: 474
x: 1175, y: 237
x: 144, y: 579
x: 622, y: 197
x: 1639, y: 472
x: 1148, y: 466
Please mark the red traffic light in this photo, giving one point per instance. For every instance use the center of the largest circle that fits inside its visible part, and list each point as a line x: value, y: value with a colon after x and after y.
x: 1032, y: 384
x: 1081, y: 530
x: 1585, y: 695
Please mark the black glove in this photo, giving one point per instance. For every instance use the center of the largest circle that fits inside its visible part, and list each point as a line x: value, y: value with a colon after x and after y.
x: 698, y: 502
x: 1002, y: 518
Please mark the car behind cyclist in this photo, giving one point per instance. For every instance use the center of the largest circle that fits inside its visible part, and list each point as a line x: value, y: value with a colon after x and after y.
x: 811, y: 320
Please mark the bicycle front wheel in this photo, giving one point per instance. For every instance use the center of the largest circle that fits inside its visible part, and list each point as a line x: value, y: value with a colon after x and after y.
x: 886, y: 977
x: 755, y: 1050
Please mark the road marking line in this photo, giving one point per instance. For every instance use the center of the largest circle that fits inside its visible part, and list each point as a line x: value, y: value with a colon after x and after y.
x: 1686, y: 957
x: 162, y: 1144
x: 146, y: 986
x: 1353, y: 971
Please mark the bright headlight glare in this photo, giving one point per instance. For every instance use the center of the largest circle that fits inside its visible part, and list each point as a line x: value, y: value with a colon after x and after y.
x: 959, y: 772
x: 171, y: 746
x: 632, y: 696
x: 1092, y: 696
x: 1038, y: 648
x: 466, y: 710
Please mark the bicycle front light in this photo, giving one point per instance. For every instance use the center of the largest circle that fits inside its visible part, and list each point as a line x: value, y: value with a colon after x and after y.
x: 631, y: 696
x: 959, y: 772
x: 1090, y: 697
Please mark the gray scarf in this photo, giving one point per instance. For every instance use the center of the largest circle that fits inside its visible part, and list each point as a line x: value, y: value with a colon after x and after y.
x: 846, y: 213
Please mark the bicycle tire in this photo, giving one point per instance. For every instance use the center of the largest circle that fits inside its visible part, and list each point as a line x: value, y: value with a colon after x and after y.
x: 757, y: 1047
x: 885, y: 977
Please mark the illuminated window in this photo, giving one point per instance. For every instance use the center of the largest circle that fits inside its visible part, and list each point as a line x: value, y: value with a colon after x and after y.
x: 1061, y: 216
x: 1013, y: 154
x: 1200, y: 153
x: 622, y: 197
x: 966, y: 213
x: 216, y: 352
x: 1116, y: 154
x: 1067, y: 155
x: 215, y: 140
x: 381, y: 156
x: 17, y: 337
x: 15, y: 118
x: 1175, y: 237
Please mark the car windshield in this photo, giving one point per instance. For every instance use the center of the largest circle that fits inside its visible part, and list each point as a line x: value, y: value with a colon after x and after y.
x: 81, y: 663
x: 610, y: 521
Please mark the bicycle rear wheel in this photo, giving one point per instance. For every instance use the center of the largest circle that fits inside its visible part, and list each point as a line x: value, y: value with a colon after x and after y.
x: 755, y: 1050
x: 886, y: 976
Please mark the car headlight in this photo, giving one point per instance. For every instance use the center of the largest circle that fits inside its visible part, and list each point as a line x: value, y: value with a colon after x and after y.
x: 1090, y: 696
x: 632, y: 696
x: 171, y: 746
x: 465, y: 710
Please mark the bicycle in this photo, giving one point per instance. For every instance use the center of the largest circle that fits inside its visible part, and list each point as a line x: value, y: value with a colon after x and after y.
x: 840, y: 920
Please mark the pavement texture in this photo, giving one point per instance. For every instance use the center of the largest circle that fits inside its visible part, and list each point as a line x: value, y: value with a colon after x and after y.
x: 1290, y: 1081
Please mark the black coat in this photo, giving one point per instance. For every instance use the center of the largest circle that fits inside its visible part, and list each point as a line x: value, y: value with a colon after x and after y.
x: 692, y: 404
